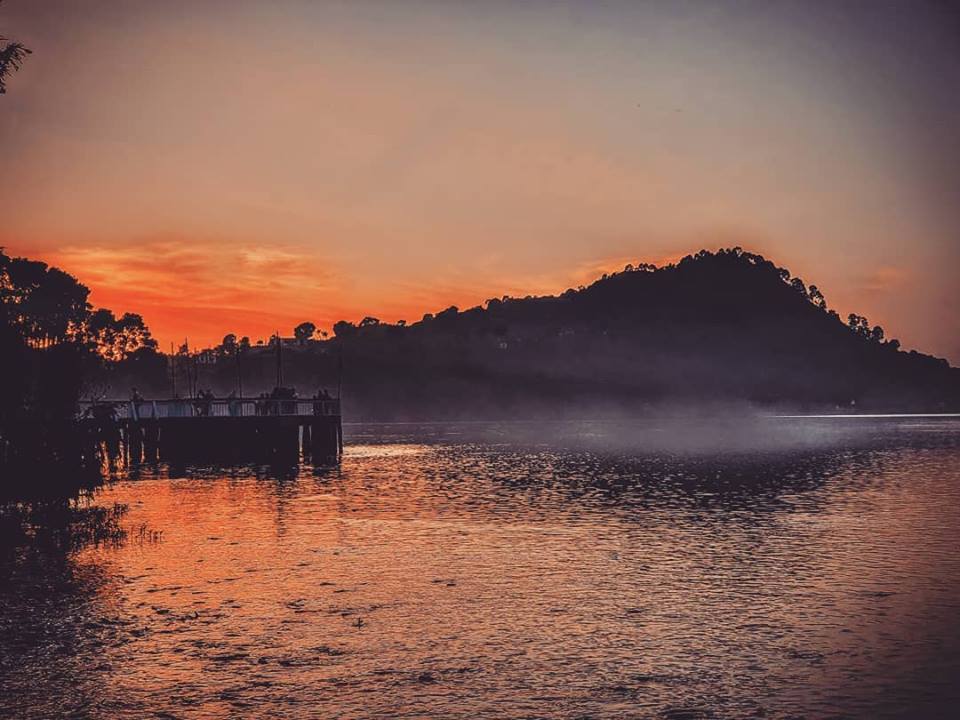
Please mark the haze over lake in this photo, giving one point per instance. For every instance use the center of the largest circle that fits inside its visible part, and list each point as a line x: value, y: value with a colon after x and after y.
x: 515, y: 570
x: 468, y: 360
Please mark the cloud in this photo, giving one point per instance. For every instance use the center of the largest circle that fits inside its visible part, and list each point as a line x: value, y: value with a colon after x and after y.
x: 195, y: 273
x: 203, y: 287
x: 884, y: 279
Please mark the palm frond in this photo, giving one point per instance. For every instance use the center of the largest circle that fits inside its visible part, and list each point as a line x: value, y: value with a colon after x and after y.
x: 11, y: 58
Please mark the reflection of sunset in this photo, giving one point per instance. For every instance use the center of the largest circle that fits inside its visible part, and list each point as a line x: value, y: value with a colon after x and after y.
x: 483, y: 578
x: 474, y: 359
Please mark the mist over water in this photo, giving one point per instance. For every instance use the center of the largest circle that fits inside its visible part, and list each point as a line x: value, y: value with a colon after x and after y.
x: 677, y: 567
x: 718, y: 432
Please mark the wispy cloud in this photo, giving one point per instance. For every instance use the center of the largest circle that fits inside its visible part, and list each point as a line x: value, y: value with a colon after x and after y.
x: 884, y: 279
x: 206, y: 287
x: 196, y: 274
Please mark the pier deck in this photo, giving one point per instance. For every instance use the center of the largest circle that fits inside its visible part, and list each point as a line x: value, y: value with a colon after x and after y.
x: 223, y: 427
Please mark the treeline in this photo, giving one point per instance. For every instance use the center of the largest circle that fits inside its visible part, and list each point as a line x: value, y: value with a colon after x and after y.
x: 716, y: 327
x: 725, y: 326
x: 56, y: 347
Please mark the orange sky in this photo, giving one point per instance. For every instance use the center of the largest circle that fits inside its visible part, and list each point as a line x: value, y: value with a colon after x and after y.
x: 244, y: 166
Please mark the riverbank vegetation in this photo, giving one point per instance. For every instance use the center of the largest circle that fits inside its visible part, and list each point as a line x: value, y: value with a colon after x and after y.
x: 715, y: 328
x: 56, y: 347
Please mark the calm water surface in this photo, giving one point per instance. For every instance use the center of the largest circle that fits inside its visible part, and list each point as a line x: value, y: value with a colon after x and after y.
x: 481, y: 571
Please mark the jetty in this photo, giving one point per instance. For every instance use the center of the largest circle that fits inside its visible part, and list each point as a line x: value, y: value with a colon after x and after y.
x: 216, y: 428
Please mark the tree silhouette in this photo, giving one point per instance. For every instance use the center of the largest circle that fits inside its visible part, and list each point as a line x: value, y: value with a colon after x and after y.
x: 46, y: 304
x: 304, y: 331
x: 116, y: 339
x: 817, y: 298
x: 344, y: 329
x: 12, y: 55
x: 729, y: 324
x: 228, y: 345
x: 857, y: 323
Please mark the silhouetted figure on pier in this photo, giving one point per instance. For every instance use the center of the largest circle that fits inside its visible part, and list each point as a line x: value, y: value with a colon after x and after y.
x: 102, y: 412
x: 233, y: 404
x: 135, y: 399
x: 202, y: 403
x: 104, y: 415
x: 283, y: 401
x: 319, y: 404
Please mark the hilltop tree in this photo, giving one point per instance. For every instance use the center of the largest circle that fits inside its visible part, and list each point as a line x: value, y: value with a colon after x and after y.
x: 304, y: 331
x: 859, y: 324
x: 344, y: 329
x: 817, y: 298
x: 229, y: 344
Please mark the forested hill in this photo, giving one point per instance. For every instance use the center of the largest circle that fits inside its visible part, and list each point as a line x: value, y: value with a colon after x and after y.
x: 715, y: 327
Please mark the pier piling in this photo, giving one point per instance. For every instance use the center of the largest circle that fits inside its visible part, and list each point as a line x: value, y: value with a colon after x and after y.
x: 230, y: 429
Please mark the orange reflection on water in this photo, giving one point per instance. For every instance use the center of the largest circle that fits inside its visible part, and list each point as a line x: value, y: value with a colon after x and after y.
x: 464, y: 579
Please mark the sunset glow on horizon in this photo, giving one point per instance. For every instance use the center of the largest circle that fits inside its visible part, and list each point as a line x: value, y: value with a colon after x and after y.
x: 242, y: 166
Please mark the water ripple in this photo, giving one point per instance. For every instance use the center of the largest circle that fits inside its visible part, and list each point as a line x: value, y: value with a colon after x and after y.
x: 461, y: 574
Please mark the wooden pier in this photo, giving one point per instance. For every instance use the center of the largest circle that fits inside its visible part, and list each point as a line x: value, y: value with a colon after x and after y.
x: 217, y: 429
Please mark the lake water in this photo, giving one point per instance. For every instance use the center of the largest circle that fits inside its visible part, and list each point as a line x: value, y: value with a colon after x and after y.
x: 775, y: 569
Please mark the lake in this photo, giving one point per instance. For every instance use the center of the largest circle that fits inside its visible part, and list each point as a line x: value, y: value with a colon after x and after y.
x: 775, y: 568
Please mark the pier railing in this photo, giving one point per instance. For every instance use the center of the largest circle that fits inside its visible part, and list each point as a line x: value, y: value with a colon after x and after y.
x: 220, y: 407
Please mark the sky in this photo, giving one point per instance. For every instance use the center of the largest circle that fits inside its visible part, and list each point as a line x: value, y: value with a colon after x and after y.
x: 242, y: 166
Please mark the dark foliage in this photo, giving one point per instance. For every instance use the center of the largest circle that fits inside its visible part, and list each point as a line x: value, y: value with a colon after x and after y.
x: 716, y: 327
x: 54, y: 349
x: 12, y: 55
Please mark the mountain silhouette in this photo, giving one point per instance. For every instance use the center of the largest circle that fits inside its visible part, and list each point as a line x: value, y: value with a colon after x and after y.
x: 716, y: 327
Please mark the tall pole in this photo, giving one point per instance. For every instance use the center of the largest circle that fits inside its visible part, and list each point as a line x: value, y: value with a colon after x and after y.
x: 340, y: 370
x: 279, y: 361
x: 236, y: 354
x: 173, y: 373
x: 186, y: 350
x: 339, y: 400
